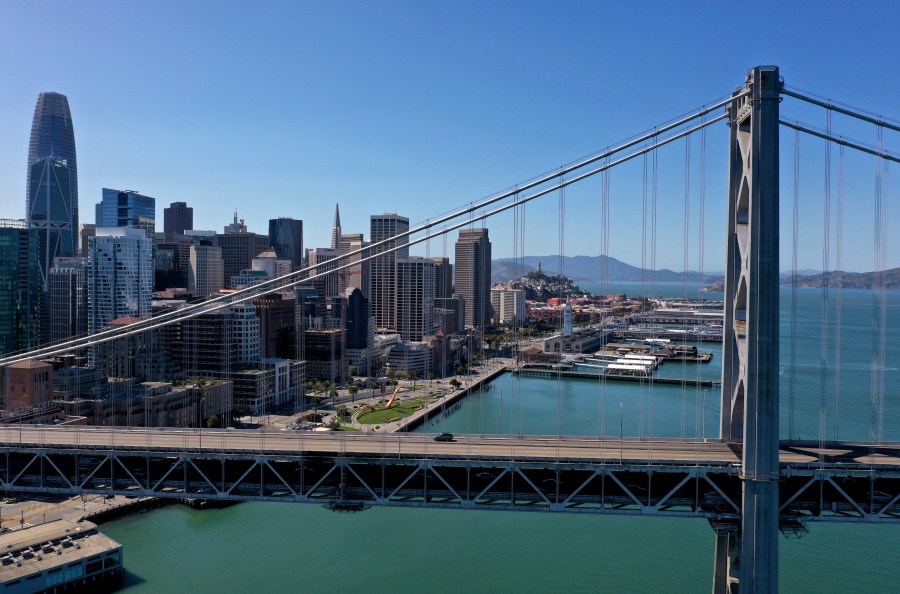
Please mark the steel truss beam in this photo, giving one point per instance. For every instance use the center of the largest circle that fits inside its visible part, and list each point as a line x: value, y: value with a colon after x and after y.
x: 809, y: 492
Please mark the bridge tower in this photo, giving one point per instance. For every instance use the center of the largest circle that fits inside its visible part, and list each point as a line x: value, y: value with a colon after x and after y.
x: 747, y: 554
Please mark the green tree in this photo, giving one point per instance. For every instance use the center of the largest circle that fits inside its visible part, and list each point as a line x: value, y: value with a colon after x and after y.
x: 212, y: 421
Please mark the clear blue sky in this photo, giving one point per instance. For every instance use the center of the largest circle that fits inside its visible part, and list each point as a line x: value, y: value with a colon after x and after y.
x: 286, y: 108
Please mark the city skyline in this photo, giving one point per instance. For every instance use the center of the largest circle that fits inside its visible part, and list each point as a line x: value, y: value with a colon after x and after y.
x: 472, y: 109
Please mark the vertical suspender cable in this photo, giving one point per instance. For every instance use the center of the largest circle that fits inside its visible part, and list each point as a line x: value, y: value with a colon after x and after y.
x: 826, y: 260
x: 643, y: 276
x: 792, y: 384
x: 685, y: 263
x: 878, y: 330
x: 700, y: 401
x: 839, y: 266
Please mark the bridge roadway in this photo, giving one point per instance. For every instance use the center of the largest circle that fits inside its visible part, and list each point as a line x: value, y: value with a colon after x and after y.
x: 496, y: 447
x: 692, y: 478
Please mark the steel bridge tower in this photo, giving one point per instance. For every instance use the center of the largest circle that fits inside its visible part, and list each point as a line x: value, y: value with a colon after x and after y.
x: 747, y: 554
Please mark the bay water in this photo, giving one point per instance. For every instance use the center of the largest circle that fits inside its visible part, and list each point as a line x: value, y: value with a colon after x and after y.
x: 278, y: 547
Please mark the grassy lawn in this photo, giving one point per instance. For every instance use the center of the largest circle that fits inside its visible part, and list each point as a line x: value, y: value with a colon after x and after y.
x: 382, y: 415
x: 347, y: 428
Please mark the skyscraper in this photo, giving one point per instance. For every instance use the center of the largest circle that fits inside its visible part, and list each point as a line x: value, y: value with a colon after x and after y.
x: 238, y: 251
x: 415, y: 298
x: 206, y: 270
x: 120, y: 276
x: 354, y: 277
x: 20, y: 287
x: 178, y: 218
x: 50, y: 214
x: 443, y: 278
x: 127, y: 208
x: 55, y: 211
x: 328, y: 285
x: 383, y: 270
x: 336, y: 229
x: 68, y: 302
x: 473, y: 275
x: 286, y: 238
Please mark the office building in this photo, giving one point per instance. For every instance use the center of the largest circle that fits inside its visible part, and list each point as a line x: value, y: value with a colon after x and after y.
x: 273, y: 266
x: 50, y: 212
x: 68, y: 298
x: 171, y: 261
x: 127, y: 208
x: 28, y: 383
x: 286, y: 238
x: 323, y: 351
x: 120, y: 275
x: 238, y: 251
x: 320, y: 262
x: 336, y: 229
x: 473, y: 275
x: 383, y: 269
x: 206, y: 270
x: 236, y: 226
x: 360, y: 330
x: 357, y: 276
x: 443, y: 278
x: 21, y: 287
x: 53, y: 138
x: 87, y: 230
x: 277, y: 328
x: 415, y: 298
x: 178, y: 218
x: 452, y: 314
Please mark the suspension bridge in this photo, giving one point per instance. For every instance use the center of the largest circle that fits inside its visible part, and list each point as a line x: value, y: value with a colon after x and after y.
x: 748, y: 483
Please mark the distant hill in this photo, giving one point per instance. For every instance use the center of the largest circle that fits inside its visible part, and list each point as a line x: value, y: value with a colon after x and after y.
x: 588, y: 268
x: 846, y: 280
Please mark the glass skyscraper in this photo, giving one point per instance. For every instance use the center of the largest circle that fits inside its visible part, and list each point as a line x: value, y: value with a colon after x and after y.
x: 126, y: 208
x: 51, y: 201
x: 286, y: 238
x: 20, y: 287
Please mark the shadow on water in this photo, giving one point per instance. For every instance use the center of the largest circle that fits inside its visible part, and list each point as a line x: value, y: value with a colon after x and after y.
x: 132, y: 579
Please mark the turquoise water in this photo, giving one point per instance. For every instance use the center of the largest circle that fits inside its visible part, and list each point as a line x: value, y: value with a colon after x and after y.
x: 276, y: 547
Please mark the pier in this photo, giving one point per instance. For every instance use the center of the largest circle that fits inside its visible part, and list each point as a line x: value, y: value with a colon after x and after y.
x: 547, y: 372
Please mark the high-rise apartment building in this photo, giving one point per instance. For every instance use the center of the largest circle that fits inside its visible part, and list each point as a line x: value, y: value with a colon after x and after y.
x: 126, y: 208
x: 508, y: 305
x: 277, y: 326
x: 383, y: 269
x: 415, y: 298
x: 21, y: 287
x: 206, y: 270
x: 222, y: 341
x: 120, y: 275
x: 67, y: 298
x: 51, y: 202
x: 473, y: 275
x: 286, y: 238
x: 178, y: 218
x: 443, y: 278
